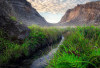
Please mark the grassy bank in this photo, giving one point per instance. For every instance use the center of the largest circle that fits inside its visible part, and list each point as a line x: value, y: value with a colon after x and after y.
x: 80, y: 49
x: 39, y: 37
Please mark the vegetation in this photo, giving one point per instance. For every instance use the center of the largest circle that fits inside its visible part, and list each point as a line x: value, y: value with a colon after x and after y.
x: 80, y: 49
x: 21, y: 23
x: 13, y: 18
x: 39, y: 37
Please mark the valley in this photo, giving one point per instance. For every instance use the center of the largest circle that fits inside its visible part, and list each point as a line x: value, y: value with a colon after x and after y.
x: 27, y: 40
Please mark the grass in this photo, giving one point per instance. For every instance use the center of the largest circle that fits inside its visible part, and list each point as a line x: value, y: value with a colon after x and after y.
x: 10, y: 50
x: 43, y: 35
x: 39, y: 37
x: 13, y: 18
x: 80, y: 49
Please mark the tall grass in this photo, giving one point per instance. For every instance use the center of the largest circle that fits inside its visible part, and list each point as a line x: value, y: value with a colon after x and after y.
x: 39, y: 37
x: 81, y: 49
x: 42, y: 36
x: 10, y: 50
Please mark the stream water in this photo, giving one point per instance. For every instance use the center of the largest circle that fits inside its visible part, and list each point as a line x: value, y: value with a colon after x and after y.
x: 42, y: 57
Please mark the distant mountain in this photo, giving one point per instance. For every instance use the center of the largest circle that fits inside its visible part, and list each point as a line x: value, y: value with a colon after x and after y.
x: 25, y: 13
x: 88, y: 14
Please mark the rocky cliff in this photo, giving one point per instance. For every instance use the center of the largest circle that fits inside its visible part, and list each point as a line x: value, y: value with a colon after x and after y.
x: 15, y: 15
x: 88, y: 13
x: 24, y: 12
x: 13, y: 29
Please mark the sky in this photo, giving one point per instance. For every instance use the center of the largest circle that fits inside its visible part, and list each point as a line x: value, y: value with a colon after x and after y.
x: 53, y: 10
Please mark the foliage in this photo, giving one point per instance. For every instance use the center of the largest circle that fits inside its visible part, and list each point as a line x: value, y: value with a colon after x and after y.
x: 80, y: 49
x: 20, y: 22
x: 10, y: 50
x: 13, y: 18
x: 38, y: 37
x: 42, y: 36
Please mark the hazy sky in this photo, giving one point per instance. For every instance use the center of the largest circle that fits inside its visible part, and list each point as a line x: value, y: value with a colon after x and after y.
x: 53, y: 10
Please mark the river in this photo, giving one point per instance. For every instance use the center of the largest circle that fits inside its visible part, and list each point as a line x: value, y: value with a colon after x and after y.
x: 42, y: 57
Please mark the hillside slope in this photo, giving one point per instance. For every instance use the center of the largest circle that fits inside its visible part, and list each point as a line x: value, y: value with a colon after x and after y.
x: 23, y: 11
x: 88, y: 13
x: 9, y: 25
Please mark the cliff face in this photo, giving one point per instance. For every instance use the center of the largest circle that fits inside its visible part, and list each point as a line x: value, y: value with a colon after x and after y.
x: 88, y: 13
x: 14, y: 30
x: 15, y: 12
x: 24, y: 13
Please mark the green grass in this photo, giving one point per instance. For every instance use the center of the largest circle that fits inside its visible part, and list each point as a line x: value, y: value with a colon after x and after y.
x: 13, y: 18
x: 80, y: 49
x: 10, y: 50
x: 43, y: 35
x: 21, y: 23
x: 38, y: 37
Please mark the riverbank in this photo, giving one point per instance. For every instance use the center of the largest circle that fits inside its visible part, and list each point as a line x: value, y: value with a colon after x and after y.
x: 80, y: 49
x: 12, y: 53
x: 42, y: 61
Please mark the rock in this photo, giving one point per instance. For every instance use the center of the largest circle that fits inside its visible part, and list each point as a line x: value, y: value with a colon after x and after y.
x: 88, y: 14
x: 25, y: 13
x: 14, y: 30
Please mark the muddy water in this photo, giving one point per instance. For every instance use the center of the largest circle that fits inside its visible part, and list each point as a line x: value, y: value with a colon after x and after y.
x: 42, y: 57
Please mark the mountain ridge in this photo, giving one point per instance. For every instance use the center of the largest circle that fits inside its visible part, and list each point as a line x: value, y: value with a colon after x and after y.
x: 88, y: 14
x: 25, y: 13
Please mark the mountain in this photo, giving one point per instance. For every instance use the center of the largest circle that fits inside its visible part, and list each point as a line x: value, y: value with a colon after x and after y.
x: 13, y: 29
x: 25, y: 13
x: 15, y: 16
x: 88, y: 14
